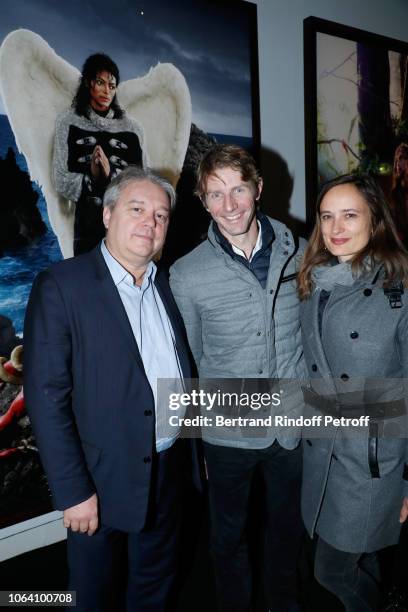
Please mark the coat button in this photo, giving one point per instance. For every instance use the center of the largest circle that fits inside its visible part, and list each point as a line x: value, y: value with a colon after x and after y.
x: 270, y: 290
x: 286, y: 252
x: 344, y: 377
x: 354, y: 335
x: 314, y: 368
x: 146, y: 459
x: 148, y: 413
x: 260, y: 371
x: 259, y: 333
x: 367, y: 292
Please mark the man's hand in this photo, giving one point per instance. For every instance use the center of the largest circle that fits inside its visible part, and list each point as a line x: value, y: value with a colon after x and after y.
x: 100, y: 166
x: 404, y: 510
x: 83, y: 517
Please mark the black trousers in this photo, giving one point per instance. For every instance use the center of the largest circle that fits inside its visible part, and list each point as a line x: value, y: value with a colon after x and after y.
x: 114, y: 571
x: 352, y: 577
x: 230, y: 475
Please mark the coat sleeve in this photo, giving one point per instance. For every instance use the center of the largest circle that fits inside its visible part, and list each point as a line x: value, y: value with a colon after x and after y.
x: 403, y: 352
x: 48, y: 393
x: 189, y: 311
x: 67, y: 184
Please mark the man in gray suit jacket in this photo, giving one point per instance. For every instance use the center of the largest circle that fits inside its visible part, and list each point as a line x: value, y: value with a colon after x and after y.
x: 237, y: 295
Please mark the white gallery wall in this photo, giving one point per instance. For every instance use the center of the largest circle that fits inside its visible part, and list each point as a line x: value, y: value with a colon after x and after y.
x: 280, y: 37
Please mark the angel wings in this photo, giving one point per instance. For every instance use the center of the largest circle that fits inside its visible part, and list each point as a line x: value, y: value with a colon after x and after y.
x: 36, y: 85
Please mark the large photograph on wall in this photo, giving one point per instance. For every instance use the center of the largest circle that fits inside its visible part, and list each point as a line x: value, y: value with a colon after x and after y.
x: 356, y: 111
x: 181, y: 81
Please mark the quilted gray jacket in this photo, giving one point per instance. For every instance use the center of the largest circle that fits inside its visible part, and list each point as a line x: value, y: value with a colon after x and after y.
x: 237, y: 329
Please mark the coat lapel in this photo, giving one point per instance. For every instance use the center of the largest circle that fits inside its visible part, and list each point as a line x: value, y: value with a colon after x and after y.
x: 175, y: 320
x: 312, y: 307
x: 113, y: 304
x: 314, y: 341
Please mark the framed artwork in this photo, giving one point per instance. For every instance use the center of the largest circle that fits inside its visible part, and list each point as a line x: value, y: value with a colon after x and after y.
x: 221, y: 82
x: 356, y: 110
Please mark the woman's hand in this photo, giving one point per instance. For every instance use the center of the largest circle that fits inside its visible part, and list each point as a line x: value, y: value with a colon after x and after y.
x: 404, y: 510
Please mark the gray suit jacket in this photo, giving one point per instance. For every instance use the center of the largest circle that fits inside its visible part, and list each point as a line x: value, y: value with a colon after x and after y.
x: 353, y: 483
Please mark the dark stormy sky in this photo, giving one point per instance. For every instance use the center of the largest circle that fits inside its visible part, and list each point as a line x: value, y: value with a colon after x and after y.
x: 207, y: 40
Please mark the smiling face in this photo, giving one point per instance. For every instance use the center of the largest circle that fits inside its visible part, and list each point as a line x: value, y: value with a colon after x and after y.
x: 137, y: 224
x: 102, y: 90
x: 231, y: 202
x: 345, y: 221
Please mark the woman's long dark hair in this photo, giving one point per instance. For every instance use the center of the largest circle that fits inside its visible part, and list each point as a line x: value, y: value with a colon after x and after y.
x: 98, y: 62
x: 383, y: 246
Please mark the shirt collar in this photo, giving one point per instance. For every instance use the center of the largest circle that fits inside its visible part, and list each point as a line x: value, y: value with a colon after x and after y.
x: 257, y: 247
x: 120, y: 274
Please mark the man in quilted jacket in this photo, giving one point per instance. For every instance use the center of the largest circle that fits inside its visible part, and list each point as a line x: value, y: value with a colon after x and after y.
x: 237, y: 294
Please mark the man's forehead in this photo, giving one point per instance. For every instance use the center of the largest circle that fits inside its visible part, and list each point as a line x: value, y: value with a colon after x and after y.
x: 145, y: 191
x: 225, y: 174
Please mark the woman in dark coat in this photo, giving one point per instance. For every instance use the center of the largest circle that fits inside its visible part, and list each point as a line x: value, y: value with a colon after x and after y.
x: 354, y: 316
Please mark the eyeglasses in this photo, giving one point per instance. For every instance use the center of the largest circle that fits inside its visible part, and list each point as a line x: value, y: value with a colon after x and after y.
x: 238, y: 193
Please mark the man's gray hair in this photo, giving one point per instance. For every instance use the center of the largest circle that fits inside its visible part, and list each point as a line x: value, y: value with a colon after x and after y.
x: 134, y: 174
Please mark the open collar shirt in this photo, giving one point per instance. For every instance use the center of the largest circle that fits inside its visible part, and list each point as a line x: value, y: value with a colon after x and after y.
x: 155, y: 339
